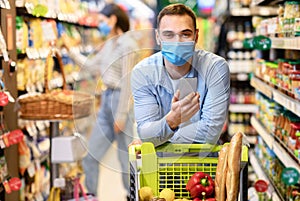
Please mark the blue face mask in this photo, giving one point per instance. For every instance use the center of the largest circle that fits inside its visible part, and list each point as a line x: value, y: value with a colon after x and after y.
x: 178, y: 53
x: 104, y: 28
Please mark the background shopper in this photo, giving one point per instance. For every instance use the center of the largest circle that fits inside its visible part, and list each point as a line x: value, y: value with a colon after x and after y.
x: 160, y: 113
x: 115, y: 119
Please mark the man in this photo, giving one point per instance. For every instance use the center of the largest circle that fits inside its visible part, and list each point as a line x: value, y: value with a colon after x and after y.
x: 161, y: 115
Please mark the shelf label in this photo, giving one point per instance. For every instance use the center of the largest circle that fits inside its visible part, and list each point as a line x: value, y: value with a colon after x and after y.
x: 290, y: 176
x: 262, y: 42
x: 248, y: 43
x: 261, y: 186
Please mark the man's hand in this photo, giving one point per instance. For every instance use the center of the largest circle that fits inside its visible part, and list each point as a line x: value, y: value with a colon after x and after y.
x: 135, y: 142
x: 182, y: 110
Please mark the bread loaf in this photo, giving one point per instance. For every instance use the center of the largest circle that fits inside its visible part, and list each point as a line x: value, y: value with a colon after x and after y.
x: 234, y: 165
x: 220, y: 179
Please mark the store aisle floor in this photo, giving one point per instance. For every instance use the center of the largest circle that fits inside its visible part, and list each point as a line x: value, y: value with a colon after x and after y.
x: 110, y: 180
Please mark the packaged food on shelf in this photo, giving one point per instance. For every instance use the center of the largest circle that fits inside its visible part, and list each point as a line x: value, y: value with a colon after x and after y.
x: 279, y: 73
x: 271, y: 72
x: 291, y: 9
x: 294, y: 128
x: 294, y: 81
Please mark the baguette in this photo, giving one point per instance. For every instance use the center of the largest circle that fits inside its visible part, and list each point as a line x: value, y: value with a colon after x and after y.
x: 220, y: 180
x: 234, y: 165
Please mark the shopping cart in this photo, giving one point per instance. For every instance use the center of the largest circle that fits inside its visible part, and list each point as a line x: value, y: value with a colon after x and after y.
x: 171, y: 166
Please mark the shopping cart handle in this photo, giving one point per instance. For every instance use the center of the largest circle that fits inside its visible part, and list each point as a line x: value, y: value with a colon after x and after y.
x: 133, y: 151
x: 187, y: 148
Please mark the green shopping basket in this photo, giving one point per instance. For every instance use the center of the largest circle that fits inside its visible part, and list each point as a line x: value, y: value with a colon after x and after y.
x: 171, y: 166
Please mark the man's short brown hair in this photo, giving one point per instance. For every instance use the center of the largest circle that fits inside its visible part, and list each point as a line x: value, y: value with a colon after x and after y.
x: 176, y: 9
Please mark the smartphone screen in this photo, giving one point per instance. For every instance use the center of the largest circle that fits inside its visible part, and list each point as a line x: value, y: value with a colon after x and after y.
x: 187, y: 85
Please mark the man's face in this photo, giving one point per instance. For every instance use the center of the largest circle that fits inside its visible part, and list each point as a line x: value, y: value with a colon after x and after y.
x: 176, y: 28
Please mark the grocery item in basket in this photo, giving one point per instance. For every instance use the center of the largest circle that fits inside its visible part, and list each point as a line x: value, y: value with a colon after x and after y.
x: 220, y: 179
x: 200, y: 185
x: 146, y: 193
x: 234, y: 165
x: 167, y: 194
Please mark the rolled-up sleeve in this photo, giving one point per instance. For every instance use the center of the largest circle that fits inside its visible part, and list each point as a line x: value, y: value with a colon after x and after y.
x: 152, y: 125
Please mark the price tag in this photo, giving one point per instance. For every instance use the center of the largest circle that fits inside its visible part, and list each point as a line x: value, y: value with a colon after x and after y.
x: 261, y: 186
x: 3, y: 99
x: 15, y: 136
x: 15, y: 183
x: 290, y: 176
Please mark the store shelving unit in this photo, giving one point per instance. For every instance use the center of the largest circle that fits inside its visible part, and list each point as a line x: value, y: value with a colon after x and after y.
x: 54, y: 126
x: 11, y: 153
x: 279, y: 149
x: 241, y: 60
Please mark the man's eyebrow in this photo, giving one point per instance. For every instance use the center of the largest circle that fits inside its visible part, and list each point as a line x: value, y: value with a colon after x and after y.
x: 182, y: 31
x: 187, y: 30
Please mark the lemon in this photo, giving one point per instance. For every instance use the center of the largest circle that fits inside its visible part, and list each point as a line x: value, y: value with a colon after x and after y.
x: 145, y: 193
x: 168, y: 194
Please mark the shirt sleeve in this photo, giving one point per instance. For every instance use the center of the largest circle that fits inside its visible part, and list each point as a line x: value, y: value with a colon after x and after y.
x: 152, y: 126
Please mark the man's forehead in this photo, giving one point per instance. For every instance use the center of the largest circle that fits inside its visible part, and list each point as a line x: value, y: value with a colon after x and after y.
x: 179, y: 22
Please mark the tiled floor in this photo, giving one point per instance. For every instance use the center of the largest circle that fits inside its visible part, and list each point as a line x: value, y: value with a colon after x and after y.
x: 110, y: 186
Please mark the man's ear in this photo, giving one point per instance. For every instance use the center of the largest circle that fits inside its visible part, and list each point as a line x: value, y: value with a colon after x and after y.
x: 157, y: 37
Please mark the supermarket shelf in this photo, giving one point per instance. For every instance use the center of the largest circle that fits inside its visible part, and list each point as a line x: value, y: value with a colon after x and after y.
x: 254, y: 10
x: 284, y: 157
x: 266, y: 2
x: 262, y: 87
x: 261, y: 175
x: 243, y: 108
x: 267, y: 137
x: 280, y: 152
x: 286, y: 43
x: 286, y: 101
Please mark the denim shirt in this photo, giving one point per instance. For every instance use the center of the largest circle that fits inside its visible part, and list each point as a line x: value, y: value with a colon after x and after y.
x: 153, y: 92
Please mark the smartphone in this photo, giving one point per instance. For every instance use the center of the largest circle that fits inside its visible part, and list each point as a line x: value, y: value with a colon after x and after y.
x: 186, y: 86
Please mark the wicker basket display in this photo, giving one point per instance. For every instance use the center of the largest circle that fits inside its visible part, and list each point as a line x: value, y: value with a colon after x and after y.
x: 57, y: 104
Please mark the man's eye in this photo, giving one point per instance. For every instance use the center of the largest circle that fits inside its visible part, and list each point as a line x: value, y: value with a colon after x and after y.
x: 169, y: 35
x: 186, y: 35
